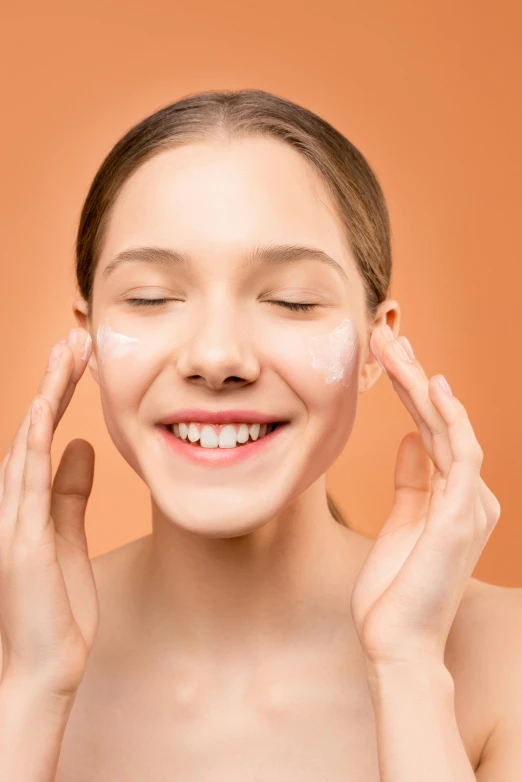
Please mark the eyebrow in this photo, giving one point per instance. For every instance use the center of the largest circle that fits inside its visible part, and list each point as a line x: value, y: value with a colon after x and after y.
x: 272, y: 254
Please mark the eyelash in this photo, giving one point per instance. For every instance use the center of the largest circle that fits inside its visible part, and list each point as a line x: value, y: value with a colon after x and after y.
x: 291, y: 305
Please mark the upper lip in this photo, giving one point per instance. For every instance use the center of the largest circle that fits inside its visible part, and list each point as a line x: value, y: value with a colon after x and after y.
x: 219, y: 417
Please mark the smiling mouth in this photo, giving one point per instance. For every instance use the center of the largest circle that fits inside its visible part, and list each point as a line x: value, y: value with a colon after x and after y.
x: 224, y: 436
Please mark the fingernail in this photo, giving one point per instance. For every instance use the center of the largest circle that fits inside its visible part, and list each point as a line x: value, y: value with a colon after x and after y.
x: 445, y: 385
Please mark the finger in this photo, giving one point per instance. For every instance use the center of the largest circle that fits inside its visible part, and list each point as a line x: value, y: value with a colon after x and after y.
x: 416, y: 398
x: 458, y: 495
x: 412, y: 488
x: 21, y: 432
x: 57, y: 387
x: 71, y: 490
x: 412, y: 480
x: 15, y: 466
x: 411, y: 383
x: 2, y: 471
x: 80, y: 343
x: 12, y: 483
x: 60, y: 379
x: 35, y: 497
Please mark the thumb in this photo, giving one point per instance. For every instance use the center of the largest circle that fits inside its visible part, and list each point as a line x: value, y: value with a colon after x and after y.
x: 72, y: 487
x: 412, y: 481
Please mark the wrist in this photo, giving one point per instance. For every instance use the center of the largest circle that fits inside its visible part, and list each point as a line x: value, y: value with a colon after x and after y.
x: 387, y: 679
x: 35, y: 691
x: 33, y: 719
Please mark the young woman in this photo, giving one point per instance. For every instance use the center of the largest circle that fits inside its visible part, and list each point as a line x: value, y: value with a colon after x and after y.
x: 233, y: 265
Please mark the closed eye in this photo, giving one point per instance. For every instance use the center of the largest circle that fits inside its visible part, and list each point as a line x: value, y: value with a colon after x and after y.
x: 291, y: 305
x: 147, y: 302
x: 294, y: 305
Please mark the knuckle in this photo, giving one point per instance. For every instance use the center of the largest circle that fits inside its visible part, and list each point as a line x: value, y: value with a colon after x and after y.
x: 41, y: 399
x: 17, y: 449
x: 36, y: 480
x: 495, y: 508
x: 473, y: 454
x: 439, y: 429
x: 30, y: 485
x: 461, y: 412
x: 477, y: 455
x: 44, y: 405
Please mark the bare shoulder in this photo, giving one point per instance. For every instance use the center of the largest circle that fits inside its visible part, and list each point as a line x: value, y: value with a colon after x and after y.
x: 484, y: 634
x: 488, y: 616
x: 496, y: 629
x: 484, y: 656
x: 496, y: 626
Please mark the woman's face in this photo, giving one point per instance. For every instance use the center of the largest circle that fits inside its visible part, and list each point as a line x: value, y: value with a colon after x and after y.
x: 222, y: 340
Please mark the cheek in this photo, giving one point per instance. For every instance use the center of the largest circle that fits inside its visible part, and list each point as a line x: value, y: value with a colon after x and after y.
x: 335, y: 354
x: 321, y: 368
x: 125, y: 367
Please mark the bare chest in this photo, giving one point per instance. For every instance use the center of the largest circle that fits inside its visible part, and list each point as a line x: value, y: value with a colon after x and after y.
x: 142, y: 740
x: 321, y: 733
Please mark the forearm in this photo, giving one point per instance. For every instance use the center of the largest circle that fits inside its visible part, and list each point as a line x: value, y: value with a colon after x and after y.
x: 417, y: 732
x: 32, y: 724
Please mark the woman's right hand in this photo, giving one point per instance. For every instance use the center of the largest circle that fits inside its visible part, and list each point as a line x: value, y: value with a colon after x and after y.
x: 48, y: 599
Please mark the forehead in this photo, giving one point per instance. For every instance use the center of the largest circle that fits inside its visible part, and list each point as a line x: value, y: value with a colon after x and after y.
x: 214, y: 198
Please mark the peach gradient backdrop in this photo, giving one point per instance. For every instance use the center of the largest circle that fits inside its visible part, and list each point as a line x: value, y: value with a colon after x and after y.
x: 430, y: 93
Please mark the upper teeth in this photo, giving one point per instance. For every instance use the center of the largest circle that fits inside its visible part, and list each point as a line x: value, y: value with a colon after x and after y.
x: 225, y: 436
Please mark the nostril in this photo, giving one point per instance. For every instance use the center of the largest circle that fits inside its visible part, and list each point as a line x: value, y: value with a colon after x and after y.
x: 233, y: 379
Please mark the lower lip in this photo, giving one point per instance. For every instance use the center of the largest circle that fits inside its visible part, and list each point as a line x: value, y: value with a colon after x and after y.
x: 219, y: 456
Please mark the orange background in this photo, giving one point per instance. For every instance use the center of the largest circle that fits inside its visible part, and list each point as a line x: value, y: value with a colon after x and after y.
x: 429, y: 92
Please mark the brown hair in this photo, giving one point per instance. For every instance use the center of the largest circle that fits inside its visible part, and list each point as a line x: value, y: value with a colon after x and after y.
x: 223, y: 115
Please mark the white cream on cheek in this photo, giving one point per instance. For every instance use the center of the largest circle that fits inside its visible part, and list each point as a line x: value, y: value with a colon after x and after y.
x: 334, y: 354
x: 112, y: 344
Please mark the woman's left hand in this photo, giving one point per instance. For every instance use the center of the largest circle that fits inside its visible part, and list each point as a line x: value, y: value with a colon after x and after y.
x: 408, y: 591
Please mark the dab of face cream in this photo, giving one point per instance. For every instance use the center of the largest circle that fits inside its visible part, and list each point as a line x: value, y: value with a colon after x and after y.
x: 333, y: 354
x: 113, y: 344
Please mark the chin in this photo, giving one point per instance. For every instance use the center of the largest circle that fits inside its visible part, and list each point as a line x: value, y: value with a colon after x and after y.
x: 216, y: 513
x: 218, y: 519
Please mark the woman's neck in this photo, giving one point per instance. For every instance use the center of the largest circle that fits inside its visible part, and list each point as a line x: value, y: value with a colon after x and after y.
x: 282, y: 586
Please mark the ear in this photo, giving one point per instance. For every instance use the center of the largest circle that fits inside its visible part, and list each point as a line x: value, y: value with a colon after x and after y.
x: 388, y: 312
x: 80, y: 312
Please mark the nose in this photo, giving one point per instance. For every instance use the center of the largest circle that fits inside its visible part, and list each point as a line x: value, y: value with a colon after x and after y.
x: 218, y: 351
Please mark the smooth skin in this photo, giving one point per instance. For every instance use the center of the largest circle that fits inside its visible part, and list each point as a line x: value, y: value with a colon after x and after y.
x: 251, y: 193
x: 55, y: 619
x: 43, y: 528
x: 407, y: 594
x: 48, y: 601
